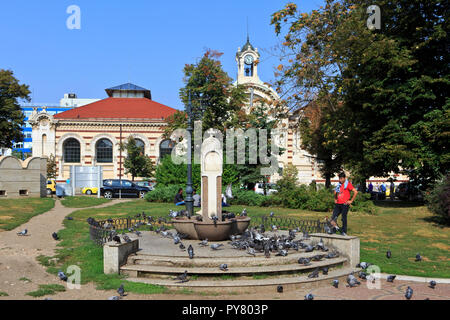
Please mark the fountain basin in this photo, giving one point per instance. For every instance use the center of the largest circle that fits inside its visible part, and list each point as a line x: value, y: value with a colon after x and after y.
x: 240, y: 225
x: 185, y: 226
x: 218, y: 231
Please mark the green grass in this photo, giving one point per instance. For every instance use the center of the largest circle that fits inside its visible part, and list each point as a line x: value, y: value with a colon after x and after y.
x: 46, y: 289
x: 83, y: 201
x: 15, y: 212
x: 405, y: 229
x: 3, y: 294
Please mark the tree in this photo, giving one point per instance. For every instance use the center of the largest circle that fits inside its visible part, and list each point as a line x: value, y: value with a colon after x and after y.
x: 390, y: 85
x: 11, y: 116
x: 51, y: 167
x: 137, y: 163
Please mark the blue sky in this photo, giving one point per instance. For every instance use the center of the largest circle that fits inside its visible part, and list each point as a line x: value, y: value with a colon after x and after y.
x: 143, y: 42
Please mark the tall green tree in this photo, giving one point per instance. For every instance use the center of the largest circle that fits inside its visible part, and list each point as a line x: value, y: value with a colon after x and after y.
x: 11, y: 116
x: 137, y: 163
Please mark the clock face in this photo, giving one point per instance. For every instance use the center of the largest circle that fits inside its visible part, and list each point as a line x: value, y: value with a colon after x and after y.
x: 248, y: 59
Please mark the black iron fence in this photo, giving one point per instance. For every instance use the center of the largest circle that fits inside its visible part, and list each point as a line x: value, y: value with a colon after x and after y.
x: 102, y: 231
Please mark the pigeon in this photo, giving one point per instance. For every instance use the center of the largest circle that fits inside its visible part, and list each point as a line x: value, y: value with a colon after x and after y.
x: 418, y: 257
x: 62, y: 276
x: 432, y: 284
x: 320, y: 245
x: 336, y: 283
x: 176, y: 240
x: 244, y: 212
x: 126, y: 238
x: 409, y: 293
x: 309, y: 248
x: 138, y: 233
x: 317, y: 257
x: 305, y: 235
x: 55, y: 236
x: 390, y: 278
x: 116, y: 238
x: 114, y: 298
x: 22, y: 233
x: 332, y: 255
x: 204, y: 242
x: 262, y: 228
x: 304, y: 261
x: 274, y: 228
x: 182, y: 247
x: 325, y: 270
x: 352, y: 281
x: 388, y: 254
x: 215, y: 219
x: 190, y: 251
x: 272, y: 214
x: 280, y: 289
x: 223, y: 267
x: 267, y: 250
x: 251, y: 251
x: 309, y: 296
x: 314, y: 274
x: 182, y: 277
x: 215, y: 246
x: 282, y: 253
x: 362, y: 275
x: 121, y: 290
x: 363, y: 265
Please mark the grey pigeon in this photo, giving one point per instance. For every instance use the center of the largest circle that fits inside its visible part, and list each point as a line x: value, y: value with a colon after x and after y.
x: 176, y: 240
x: 138, y: 233
x: 336, y: 283
x: 23, y: 232
x: 280, y: 289
x: 282, y: 253
x: 309, y: 248
x: 55, y: 236
x: 390, y: 278
x: 190, y: 251
x: 409, y: 293
x: 363, y: 265
x: 314, y: 274
x: 126, y: 238
x: 309, y: 296
x: 362, y: 275
x: 418, y: 257
x: 114, y: 298
x: 251, y: 251
x: 317, y: 257
x: 204, y: 242
x: 116, y: 238
x: 352, y: 281
x: 432, y: 284
x: 62, y: 276
x: 121, y: 290
x: 274, y: 228
x: 182, y: 277
x: 272, y: 214
x: 388, y: 254
x: 267, y: 250
x: 223, y: 267
x: 244, y: 212
x: 216, y: 246
x: 325, y: 270
x: 182, y: 247
x: 304, y: 261
x: 332, y: 255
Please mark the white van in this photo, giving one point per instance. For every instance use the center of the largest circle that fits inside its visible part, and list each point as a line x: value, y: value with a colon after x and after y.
x: 270, y: 188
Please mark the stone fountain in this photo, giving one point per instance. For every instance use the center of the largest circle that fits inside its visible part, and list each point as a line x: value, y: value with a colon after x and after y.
x: 210, y: 224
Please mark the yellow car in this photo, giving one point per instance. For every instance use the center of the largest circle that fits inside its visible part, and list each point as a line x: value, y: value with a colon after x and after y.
x: 90, y: 190
x: 51, y: 187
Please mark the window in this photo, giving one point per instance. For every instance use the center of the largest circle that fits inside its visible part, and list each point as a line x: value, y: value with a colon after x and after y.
x: 140, y: 144
x: 126, y: 184
x: 71, y: 149
x: 165, y: 148
x: 104, y: 151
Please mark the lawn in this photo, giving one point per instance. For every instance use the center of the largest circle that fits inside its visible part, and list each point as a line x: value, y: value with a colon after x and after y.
x: 82, y: 201
x: 404, y: 229
x: 14, y: 212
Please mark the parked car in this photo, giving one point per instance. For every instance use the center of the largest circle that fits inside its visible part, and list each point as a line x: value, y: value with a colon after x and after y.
x: 145, y: 184
x: 408, y: 191
x: 270, y: 188
x: 112, y: 187
x: 51, y: 187
x: 89, y: 190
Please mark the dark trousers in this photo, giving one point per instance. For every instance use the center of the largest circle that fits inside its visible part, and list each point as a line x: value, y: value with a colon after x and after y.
x: 341, y: 209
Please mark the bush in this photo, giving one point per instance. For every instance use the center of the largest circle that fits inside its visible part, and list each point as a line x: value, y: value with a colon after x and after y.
x: 163, y: 193
x: 246, y: 197
x: 438, y: 199
x: 363, y: 203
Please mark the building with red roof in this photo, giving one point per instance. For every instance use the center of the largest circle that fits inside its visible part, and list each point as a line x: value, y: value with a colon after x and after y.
x: 90, y: 135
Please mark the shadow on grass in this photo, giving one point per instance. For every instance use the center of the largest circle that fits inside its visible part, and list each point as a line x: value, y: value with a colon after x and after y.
x: 437, y: 221
x: 397, y: 204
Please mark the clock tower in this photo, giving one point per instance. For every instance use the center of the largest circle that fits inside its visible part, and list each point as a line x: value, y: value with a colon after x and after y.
x: 247, y: 60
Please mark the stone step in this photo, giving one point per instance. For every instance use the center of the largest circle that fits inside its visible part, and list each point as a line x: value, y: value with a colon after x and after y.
x: 147, y: 270
x: 249, y: 285
x: 185, y: 262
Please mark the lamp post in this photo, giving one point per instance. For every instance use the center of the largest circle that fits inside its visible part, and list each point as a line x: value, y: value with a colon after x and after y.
x: 189, y: 190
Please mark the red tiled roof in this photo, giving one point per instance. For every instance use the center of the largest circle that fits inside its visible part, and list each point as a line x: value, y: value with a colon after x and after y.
x: 119, y: 108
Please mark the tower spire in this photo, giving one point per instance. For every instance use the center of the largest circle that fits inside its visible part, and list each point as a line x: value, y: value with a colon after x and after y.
x: 248, y: 38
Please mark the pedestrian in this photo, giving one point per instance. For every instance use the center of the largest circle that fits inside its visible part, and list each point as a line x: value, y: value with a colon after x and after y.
x: 343, y: 201
x: 196, y: 198
x: 392, y: 190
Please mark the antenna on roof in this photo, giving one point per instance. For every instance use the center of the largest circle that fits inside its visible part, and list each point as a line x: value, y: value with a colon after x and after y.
x: 248, y: 39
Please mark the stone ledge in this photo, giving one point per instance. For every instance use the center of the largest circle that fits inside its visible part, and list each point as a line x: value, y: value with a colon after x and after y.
x: 348, y: 246
x: 115, y: 255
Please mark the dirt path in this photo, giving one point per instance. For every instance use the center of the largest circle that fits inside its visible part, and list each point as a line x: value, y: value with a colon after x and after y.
x: 18, y: 259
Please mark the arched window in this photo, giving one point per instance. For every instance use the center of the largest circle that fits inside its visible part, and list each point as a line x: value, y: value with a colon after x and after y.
x: 140, y: 144
x: 104, y: 151
x: 165, y: 148
x: 71, y: 149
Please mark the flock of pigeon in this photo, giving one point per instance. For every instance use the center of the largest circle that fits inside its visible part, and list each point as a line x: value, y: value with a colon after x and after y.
x: 253, y: 241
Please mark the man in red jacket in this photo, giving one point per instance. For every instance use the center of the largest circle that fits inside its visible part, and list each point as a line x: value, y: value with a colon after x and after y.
x: 342, y: 201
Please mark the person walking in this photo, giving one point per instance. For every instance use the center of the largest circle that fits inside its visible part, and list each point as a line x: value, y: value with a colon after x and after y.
x: 343, y: 202
x: 392, y: 190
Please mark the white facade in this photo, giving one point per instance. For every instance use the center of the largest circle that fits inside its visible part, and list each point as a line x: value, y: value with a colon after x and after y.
x: 70, y: 100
